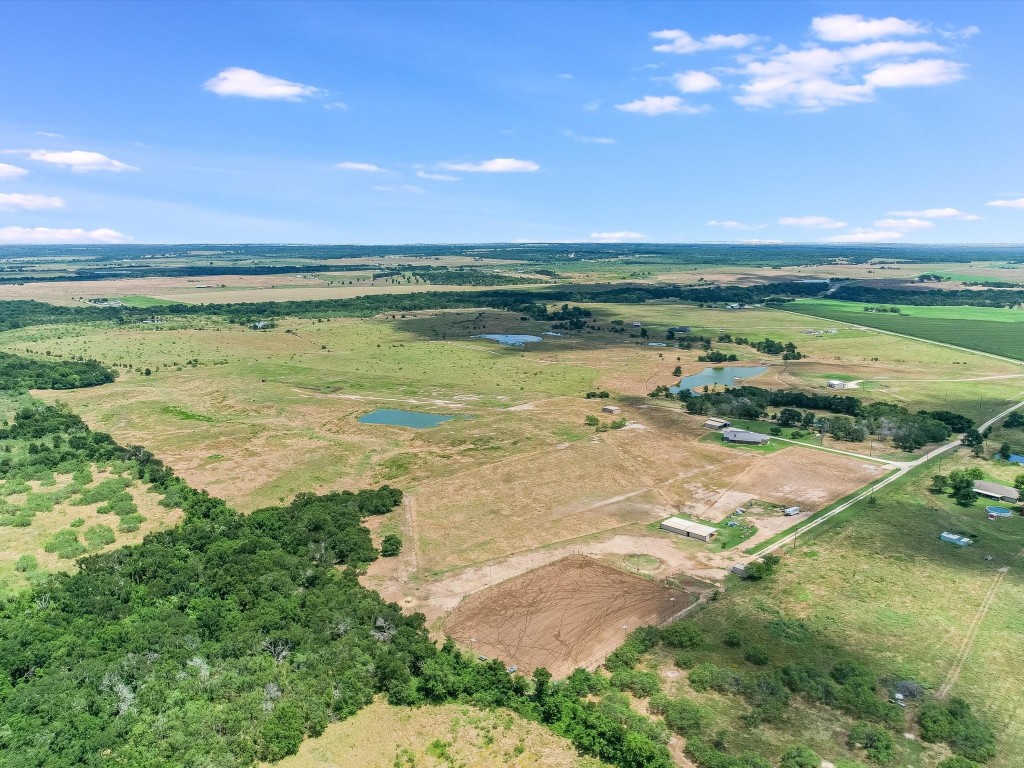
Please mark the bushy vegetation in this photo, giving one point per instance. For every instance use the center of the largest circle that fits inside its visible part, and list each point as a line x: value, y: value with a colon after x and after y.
x: 954, y: 723
x: 21, y: 373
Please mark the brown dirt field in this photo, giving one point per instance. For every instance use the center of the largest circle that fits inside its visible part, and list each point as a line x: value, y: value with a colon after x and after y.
x: 382, y: 736
x: 564, y: 615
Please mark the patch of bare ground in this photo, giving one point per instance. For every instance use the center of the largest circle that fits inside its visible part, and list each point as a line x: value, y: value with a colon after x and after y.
x: 567, y: 614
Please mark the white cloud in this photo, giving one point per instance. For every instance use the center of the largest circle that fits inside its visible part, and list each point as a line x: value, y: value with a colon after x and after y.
x: 436, y: 176
x: 731, y: 224
x: 1018, y: 203
x: 50, y: 135
x: 361, y: 167
x: 617, y: 237
x: 336, y: 105
x: 8, y: 172
x: 565, y: 76
x: 852, y: 28
x: 587, y: 139
x: 915, y: 73
x: 960, y: 34
x: 238, y: 81
x: 865, y: 236
x: 681, y: 42
x: 411, y: 188
x: 78, y: 160
x: 19, y: 202
x: 661, y: 105
x: 44, y: 235
x: 817, y: 77
x: 905, y: 225
x: 936, y: 213
x: 497, y: 165
x: 592, y: 106
x: 811, y: 222
x: 695, y: 81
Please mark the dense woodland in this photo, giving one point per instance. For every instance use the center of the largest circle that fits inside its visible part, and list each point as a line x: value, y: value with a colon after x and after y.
x: 21, y: 373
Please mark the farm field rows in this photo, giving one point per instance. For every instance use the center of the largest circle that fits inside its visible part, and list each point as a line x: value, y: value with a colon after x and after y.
x: 997, y: 331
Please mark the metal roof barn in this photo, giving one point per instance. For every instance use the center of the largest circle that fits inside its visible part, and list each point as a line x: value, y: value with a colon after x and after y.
x: 689, y: 528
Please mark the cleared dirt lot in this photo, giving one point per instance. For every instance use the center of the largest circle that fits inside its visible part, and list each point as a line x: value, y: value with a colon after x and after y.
x: 568, y: 614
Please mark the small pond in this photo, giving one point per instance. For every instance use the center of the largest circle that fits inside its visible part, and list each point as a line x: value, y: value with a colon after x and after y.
x: 510, y: 339
x: 722, y: 375
x: 396, y: 418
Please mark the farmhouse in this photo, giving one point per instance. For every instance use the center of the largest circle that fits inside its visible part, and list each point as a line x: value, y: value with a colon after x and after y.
x: 743, y: 436
x: 953, y: 538
x: 716, y: 424
x: 837, y: 384
x: 610, y: 409
x: 996, y: 491
x: 689, y: 528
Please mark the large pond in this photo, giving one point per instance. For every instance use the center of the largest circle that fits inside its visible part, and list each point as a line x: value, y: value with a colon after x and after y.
x: 723, y: 376
x: 396, y: 418
x: 510, y: 339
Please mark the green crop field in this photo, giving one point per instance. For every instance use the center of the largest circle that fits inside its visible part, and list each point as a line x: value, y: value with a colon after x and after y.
x: 997, y: 331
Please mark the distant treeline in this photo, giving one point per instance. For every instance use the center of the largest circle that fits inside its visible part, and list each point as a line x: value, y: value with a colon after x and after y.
x: 634, y: 253
x: 990, y: 297
x: 18, y: 373
x: 18, y: 314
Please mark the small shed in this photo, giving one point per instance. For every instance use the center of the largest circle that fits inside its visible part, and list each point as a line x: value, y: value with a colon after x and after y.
x: 740, y: 569
x: 837, y: 384
x: 954, y: 538
x: 610, y: 409
x: 636, y: 323
x: 744, y: 436
x: 791, y: 511
x: 716, y: 424
x: 996, y: 491
x: 689, y: 528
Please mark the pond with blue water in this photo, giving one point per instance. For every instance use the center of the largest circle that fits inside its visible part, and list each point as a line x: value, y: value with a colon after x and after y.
x: 396, y: 418
x: 510, y: 339
x: 723, y: 376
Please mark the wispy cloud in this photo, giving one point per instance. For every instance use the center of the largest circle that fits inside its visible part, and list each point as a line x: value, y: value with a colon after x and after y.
x: 410, y: 188
x: 8, y: 172
x: 587, y: 139
x: 732, y: 224
x: 46, y: 235
x: 348, y: 165
x: 336, y: 105
x: 50, y: 135
x: 936, y: 213
x: 1018, y: 203
x: 497, y: 165
x: 239, y: 81
x: 28, y: 202
x: 905, y: 225
x: 662, y: 105
x: 862, y: 235
x: 695, y: 81
x: 679, y: 41
x: 852, y: 28
x: 78, y: 160
x: 618, y: 237
x: 436, y: 176
x: 811, y: 222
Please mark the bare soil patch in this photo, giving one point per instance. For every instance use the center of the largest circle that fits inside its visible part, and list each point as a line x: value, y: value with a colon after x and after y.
x: 568, y: 614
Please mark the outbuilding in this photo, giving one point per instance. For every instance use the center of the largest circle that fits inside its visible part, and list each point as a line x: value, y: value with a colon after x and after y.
x: 716, y: 424
x: 791, y: 511
x: 837, y: 384
x: 689, y: 528
x: 744, y: 436
x: 610, y: 409
x: 996, y: 491
x: 954, y: 538
x: 740, y: 569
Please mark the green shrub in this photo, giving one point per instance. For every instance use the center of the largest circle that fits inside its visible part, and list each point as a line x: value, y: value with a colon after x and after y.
x: 130, y: 523
x: 682, y: 634
x: 97, y: 536
x: 26, y: 564
x: 390, y: 545
x: 65, y: 544
x: 875, y: 740
x: 954, y: 724
x: 756, y: 654
x: 78, y: 522
x: 684, y: 717
x: 800, y: 756
x: 732, y: 639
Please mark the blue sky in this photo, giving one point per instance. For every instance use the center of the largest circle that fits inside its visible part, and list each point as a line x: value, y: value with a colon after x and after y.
x: 480, y: 122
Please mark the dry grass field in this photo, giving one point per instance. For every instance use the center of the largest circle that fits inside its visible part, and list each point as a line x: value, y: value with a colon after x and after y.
x: 382, y: 736
x: 568, y: 614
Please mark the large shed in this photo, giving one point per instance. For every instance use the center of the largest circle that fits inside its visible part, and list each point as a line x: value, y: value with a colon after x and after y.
x: 953, y: 538
x: 689, y: 528
x: 744, y: 436
x: 996, y: 491
x: 716, y: 423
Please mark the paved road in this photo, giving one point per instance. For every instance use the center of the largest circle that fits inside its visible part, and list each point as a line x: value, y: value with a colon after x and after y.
x: 904, y: 467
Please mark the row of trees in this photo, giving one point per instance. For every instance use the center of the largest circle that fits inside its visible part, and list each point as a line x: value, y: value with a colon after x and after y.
x: 19, y: 374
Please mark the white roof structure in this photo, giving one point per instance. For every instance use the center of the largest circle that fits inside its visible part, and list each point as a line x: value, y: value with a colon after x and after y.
x: 688, y: 527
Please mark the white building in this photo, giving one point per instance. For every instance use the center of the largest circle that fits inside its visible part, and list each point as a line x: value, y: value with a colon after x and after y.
x: 689, y: 528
